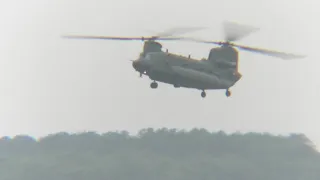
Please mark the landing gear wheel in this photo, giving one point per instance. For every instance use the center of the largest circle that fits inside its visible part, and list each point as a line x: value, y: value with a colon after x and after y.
x: 228, y: 93
x: 203, y: 94
x: 154, y: 85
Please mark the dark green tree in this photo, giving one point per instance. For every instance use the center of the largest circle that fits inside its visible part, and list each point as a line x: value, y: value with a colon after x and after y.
x: 159, y: 154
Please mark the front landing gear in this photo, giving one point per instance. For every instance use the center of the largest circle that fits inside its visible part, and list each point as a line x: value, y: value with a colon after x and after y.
x: 203, y: 94
x: 154, y: 85
x: 228, y: 93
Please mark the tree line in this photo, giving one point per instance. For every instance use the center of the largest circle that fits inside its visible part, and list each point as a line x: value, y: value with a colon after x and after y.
x: 159, y: 154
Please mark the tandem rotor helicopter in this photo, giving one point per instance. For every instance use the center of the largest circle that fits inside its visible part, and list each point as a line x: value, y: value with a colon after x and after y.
x: 218, y: 72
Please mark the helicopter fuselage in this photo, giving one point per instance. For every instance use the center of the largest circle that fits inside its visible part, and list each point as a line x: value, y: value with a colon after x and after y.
x: 186, y: 72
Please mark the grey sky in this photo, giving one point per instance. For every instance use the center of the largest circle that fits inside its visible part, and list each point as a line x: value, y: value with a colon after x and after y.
x: 49, y: 84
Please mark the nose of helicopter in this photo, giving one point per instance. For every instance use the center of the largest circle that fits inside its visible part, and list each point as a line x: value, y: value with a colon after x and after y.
x: 138, y: 65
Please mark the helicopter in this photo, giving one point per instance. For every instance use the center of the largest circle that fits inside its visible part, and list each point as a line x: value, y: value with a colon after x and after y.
x: 219, y: 71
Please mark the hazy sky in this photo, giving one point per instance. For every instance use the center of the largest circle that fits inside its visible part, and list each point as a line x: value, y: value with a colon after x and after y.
x: 49, y: 84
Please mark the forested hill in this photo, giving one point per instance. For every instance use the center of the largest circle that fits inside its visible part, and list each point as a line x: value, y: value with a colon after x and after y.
x: 161, y: 154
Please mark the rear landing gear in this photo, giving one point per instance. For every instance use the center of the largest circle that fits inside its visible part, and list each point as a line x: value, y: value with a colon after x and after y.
x: 154, y: 85
x: 228, y: 93
x: 203, y: 94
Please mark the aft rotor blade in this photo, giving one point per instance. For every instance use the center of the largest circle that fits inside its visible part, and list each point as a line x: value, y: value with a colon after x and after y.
x: 115, y: 38
x: 233, y: 32
x: 272, y: 53
x: 282, y: 55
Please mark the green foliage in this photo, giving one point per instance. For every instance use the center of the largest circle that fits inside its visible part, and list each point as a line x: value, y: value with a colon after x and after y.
x: 159, y: 154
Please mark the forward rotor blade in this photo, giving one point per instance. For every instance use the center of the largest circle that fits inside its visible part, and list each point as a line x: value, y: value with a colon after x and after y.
x: 282, y: 55
x: 101, y: 37
x: 234, y: 31
x: 160, y: 36
x: 115, y: 38
x: 178, y: 31
x: 201, y: 41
